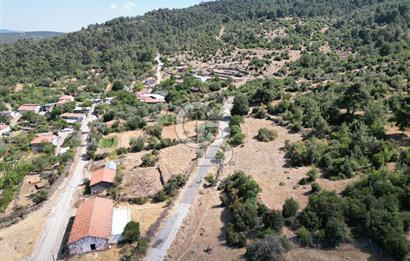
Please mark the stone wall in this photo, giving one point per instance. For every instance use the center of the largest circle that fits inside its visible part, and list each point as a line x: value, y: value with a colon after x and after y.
x: 84, y: 245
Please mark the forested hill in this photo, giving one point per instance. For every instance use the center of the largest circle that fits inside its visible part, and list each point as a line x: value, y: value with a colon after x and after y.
x: 125, y: 47
x: 9, y: 37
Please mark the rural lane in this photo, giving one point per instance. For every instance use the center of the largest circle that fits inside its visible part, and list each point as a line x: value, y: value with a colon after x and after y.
x: 164, y: 238
x: 62, y: 204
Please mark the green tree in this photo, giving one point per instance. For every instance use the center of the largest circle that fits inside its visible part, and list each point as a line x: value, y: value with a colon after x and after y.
x: 117, y: 86
x: 137, y: 144
x: 131, y: 232
x: 240, y: 105
x: 355, y: 97
x: 290, y: 208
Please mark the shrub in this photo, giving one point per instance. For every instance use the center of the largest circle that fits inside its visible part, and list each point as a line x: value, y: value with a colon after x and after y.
x: 305, y: 236
x: 267, y: 248
x: 260, y: 113
x: 121, y: 151
x: 335, y: 232
x: 237, y: 139
x: 211, y: 180
x: 273, y: 220
x: 40, y: 196
x: 131, y: 232
x: 312, y: 174
x: 233, y: 237
x: 315, y: 188
x: 155, y: 130
x: 234, y: 130
x: 266, y: 135
x: 161, y: 196
x: 137, y: 144
x: 290, y: 208
x: 139, y: 200
x: 236, y: 120
x: 149, y: 160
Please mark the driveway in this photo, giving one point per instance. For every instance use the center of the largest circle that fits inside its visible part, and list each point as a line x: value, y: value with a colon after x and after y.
x: 62, y: 204
x: 167, y: 234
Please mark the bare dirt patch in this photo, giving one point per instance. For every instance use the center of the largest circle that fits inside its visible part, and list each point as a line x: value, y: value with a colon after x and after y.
x: 28, y: 188
x: 203, y: 228
x: 146, y: 181
x: 266, y: 163
x: 188, y: 128
x: 111, y: 254
x: 19, y: 240
x: 19, y: 87
x: 146, y: 214
x: 345, y: 252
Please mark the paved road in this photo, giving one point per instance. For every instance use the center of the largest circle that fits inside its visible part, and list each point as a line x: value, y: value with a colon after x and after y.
x: 167, y: 234
x: 62, y: 205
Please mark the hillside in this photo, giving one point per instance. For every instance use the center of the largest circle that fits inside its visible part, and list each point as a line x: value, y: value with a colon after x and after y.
x: 10, y: 37
x: 315, y: 162
x: 125, y: 47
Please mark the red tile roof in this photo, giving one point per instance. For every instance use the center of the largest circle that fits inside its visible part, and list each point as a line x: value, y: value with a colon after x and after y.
x: 28, y: 107
x: 64, y: 99
x: 41, y: 138
x: 93, y: 219
x: 72, y: 115
x: 103, y: 174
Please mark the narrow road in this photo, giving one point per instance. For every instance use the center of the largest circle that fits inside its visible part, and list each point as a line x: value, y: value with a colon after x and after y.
x: 62, y: 204
x: 167, y: 234
x: 159, y: 67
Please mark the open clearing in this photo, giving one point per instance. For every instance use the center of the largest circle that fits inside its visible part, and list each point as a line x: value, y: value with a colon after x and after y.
x: 140, y: 181
x: 266, y: 163
x: 17, y: 241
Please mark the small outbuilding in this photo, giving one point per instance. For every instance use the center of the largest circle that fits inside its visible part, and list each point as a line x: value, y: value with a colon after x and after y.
x: 92, y: 226
x: 72, y: 117
x: 41, y: 139
x: 150, y: 97
x: 28, y: 107
x: 103, y: 178
x: 65, y: 99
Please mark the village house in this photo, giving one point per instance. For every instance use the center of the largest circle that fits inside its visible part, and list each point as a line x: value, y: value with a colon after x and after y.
x: 150, y: 97
x: 29, y: 107
x: 4, y: 129
x: 81, y: 110
x: 97, y: 225
x: 103, y: 178
x: 65, y: 99
x: 41, y: 139
x: 72, y: 117
x: 92, y: 225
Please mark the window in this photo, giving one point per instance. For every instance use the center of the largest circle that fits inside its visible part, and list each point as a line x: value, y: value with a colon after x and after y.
x: 92, y: 246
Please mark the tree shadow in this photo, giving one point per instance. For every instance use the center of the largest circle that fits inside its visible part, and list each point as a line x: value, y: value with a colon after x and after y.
x: 225, y: 217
